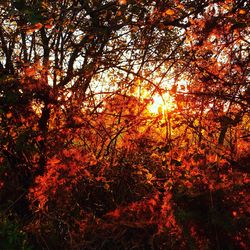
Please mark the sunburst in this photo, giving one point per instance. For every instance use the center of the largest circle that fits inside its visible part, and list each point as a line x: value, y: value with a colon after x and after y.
x: 161, y: 104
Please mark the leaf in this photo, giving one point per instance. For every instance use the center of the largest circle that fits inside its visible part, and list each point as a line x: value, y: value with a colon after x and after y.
x: 115, y: 214
x: 30, y: 72
x: 152, y: 202
x: 9, y: 115
x: 38, y: 26
x: 119, y: 13
x: 39, y: 138
x: 149, y: 176
x: 169, y: 12
x: 180, y: 6
x: 242, y: 12
x: 122, y: 2
x: 48, y: 26
x: 173, y: 90
x: 54, y: 161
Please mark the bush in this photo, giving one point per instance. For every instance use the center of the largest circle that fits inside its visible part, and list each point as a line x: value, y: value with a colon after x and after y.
x: 12, y: 237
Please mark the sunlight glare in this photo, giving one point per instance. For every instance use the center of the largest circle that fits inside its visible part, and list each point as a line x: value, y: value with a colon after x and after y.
x: 161, y: 104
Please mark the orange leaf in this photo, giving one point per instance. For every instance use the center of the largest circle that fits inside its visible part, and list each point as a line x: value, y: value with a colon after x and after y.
x: 8, y: 115
x: 30, y: 72
x: 152, y: 202
x: 242, y: 12
x: 169, y: 12
x: 54, y: 161
x: 122, y: 2
x: 48, y: 26
x: 38, y: 26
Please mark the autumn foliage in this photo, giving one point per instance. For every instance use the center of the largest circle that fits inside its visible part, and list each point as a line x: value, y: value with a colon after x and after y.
x: 124, y: 124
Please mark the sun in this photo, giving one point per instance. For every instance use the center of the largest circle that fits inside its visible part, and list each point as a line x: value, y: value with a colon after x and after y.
x: 161, y: 104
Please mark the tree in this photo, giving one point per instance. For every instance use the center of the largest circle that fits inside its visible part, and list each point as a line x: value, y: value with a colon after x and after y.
x: 74, y: 116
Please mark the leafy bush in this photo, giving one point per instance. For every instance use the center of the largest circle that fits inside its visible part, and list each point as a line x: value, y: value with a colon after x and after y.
x: 12, y: 237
